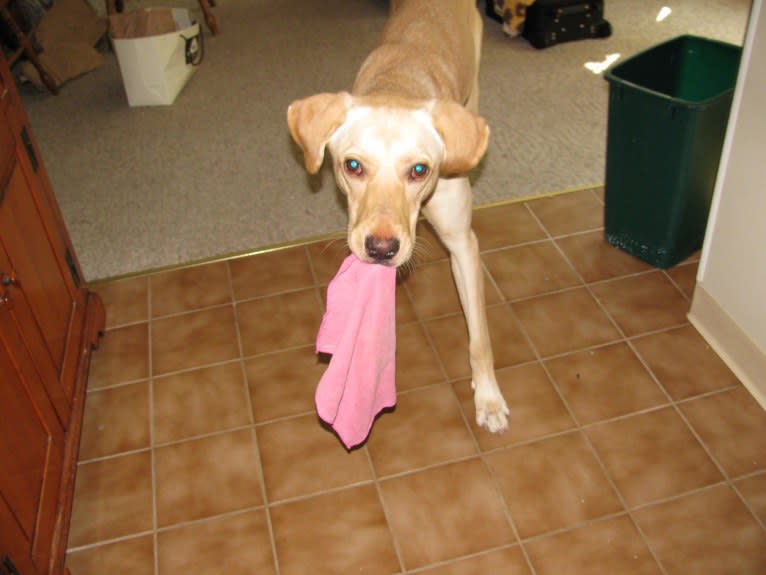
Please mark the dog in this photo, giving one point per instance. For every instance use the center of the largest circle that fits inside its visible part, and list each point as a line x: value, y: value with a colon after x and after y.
x: 401, y: 143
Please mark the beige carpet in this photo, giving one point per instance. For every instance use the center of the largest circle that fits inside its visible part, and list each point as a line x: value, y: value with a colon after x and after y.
x: 216, y: 173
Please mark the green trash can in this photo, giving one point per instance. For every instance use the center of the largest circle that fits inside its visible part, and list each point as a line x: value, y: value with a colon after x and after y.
x: 668, y: 110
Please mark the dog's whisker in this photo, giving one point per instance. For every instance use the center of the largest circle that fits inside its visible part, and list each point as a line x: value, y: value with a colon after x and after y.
x: 333, y: 243
x: 405, y: 270
x: 421, y: 249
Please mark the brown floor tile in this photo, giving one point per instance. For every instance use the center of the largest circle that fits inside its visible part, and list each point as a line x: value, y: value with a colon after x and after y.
x: 428, y: 246
x: 194, y: 339
x: 116, y: 420
x: 604, y: 382
x: 508, y: 560
x: 300, y: 457
x: 600, y: 193
x: 753, y: 489
x: 706, y: 533
x: 693, y: 258
x: 405, y: 311
x: 112, y: 498
x: 416, y: 362
x: 430, y: 302
x: 450, y: 337
x: 565, y: 321
x: 603, y: 548
x: 278, y: 322
x: 530, y: 270
x: 271, y: 273
x: 341, y: 532
x: 189, y: 289
x: 326, y: 257
x: 643, y: 303
x: 199, y: 402
x: 733, y: 425
x: 595, y: 259
x: 125, y: 301
x: 685, y: 275
x: 426, y: 428
x: 684, y: 363
x: 284, y: 383
x: 505, y: 225
x: 569, y: 213
x: 134, y: 556
x: 205, y: 477
x: 123, y: 355
x: 236, y: 545
x: 536, y: 409
x: 552, y: 484
x: 445, y: 513
x: 652, y: 456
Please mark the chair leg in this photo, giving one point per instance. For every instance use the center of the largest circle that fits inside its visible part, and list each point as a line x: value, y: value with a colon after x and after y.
x: 29, y: 50
x: 209, y: 17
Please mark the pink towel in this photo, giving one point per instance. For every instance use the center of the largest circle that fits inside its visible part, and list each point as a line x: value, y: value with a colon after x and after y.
x: 359, y: 330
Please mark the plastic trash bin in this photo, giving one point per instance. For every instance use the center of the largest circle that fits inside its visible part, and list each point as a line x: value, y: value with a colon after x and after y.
x: 668, y: 110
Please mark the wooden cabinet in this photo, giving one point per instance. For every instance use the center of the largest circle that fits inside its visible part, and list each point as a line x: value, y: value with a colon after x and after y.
x: 49, y: 324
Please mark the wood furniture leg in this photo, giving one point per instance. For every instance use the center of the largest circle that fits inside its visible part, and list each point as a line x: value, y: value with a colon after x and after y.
x: 209, y: 17
x: 27, y: 48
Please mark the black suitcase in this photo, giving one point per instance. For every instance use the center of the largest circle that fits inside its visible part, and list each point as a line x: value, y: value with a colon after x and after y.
x: 550, y: 22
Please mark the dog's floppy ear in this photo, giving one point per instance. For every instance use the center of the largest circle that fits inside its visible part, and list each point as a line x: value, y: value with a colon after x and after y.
x: 313, y: 120
x: 465, y: 136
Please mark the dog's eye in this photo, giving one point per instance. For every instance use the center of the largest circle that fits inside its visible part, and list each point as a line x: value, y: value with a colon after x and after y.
x: 353, y: 167
x: 419, y: 171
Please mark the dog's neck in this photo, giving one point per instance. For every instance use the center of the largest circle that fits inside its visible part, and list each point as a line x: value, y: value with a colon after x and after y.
x: 407, y: 74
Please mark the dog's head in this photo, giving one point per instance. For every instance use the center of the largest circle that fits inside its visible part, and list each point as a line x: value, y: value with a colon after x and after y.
x: 387, y: 156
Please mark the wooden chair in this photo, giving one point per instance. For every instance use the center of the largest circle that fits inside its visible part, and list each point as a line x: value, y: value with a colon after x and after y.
x: 26, y: 47
x: 113, y: 6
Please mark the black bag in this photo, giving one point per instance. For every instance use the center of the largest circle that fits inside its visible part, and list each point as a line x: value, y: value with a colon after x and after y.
x: 550, y: 22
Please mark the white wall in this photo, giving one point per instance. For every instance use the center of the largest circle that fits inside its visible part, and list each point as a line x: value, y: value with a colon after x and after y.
x: 729, y: 304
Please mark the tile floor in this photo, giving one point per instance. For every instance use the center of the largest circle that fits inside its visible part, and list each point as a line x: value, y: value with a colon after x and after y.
x: 633, y: 449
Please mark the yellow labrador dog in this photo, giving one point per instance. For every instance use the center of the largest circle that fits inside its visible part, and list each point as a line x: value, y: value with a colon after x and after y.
x: 401, y: 142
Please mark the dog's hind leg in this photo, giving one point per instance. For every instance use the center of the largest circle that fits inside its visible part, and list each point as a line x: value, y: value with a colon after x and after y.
x: 449, y: 211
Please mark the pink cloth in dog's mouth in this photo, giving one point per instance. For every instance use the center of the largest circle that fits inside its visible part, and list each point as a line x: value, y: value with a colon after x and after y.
x: 359, y: 330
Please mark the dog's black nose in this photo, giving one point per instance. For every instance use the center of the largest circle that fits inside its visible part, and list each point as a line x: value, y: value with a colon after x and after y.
x: 381, y: 249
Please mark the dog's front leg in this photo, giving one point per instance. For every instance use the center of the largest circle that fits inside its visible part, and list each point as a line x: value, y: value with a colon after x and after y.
x: 449, y: 211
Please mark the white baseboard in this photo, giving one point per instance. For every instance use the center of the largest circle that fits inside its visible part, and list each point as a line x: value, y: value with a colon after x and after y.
x: 731, y: 343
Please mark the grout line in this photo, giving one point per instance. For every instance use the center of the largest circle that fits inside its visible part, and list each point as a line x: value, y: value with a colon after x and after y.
x: 152, y: 451
x: 320, y: 493
x: 575, y: 526
x: 253, y: 433
x: 465, y: 416
x: 456, y: 560
x: 483, y: 455
x: 424, y: 330
x: 386, y: 513
x: 727, y: 478
x: 677, y: 285
x: 105, y: 542
x: 580, y: 428
x: 678, y: 496
x: 506, y: 510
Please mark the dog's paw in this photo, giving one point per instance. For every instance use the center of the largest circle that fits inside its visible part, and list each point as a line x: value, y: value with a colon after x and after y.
x: 491, y: 409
